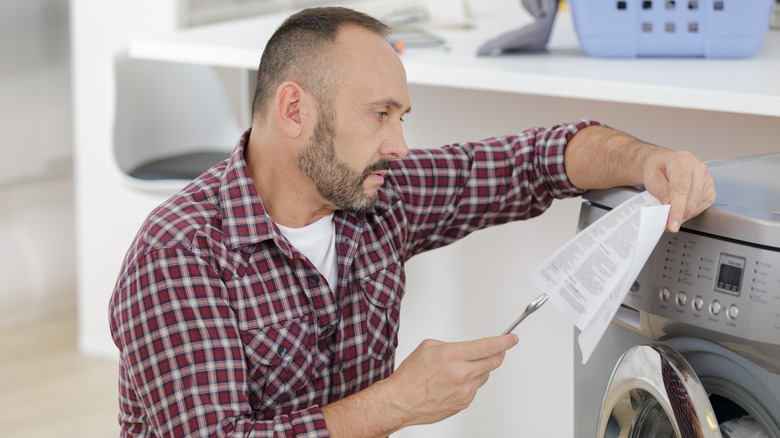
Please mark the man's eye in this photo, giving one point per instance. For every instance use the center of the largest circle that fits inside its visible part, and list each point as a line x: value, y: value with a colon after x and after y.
x: 380, y: 115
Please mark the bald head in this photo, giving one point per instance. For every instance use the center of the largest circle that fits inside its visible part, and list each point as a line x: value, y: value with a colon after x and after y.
x: 301, y: 51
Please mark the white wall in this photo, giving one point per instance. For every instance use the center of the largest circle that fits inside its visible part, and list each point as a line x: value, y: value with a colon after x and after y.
x: 34, y: 90
x: 108, y: 213
x: 37, y: 267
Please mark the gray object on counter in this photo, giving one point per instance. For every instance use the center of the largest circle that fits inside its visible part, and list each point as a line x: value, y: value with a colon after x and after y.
x: 532, y: 37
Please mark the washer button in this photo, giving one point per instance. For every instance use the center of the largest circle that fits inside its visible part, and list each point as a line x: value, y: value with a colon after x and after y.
x: 733, y: 312
x: 715, y: 307
x: 682, y: 299
x: 665, y: 294
x: 698, y: 302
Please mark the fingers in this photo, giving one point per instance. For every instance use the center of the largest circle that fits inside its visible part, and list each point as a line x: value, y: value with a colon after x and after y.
x: 475, y: 360
x: 486, y: 347
x: 691, y: 189
x: 439, y: 379
x: 684, y: 183
x: 680, y: 177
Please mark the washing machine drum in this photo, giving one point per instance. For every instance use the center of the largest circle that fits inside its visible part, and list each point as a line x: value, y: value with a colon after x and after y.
x: 654, y: 392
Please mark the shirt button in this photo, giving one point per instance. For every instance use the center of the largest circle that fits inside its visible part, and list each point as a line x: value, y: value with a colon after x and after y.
x: 313, y: 280
x: 282, y: 351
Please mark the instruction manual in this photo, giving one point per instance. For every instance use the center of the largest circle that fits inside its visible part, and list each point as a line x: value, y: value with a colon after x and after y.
x: 588, y: 277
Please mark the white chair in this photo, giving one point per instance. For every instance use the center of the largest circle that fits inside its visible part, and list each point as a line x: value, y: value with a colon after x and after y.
x: 172, y: 122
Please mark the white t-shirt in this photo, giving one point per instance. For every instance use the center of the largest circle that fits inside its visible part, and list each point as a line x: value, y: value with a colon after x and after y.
x: 317, y: 241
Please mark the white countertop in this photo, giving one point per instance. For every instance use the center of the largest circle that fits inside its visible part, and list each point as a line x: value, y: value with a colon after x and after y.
x: 745, y: 86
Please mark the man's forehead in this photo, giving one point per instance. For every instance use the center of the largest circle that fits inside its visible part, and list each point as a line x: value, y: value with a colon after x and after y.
x: 371, y: 69
x: 356, y: 42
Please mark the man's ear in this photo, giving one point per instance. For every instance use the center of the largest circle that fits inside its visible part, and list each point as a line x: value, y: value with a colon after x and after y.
x: 290, y: 106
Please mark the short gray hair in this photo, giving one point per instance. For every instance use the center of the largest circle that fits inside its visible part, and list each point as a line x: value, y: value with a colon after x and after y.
x: 299, y: 51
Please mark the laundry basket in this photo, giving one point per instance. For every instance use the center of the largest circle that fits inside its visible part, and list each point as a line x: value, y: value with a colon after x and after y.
x: 667, y: 28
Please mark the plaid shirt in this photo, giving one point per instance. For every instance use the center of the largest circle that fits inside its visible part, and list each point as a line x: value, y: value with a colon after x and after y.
x: 224, y: 328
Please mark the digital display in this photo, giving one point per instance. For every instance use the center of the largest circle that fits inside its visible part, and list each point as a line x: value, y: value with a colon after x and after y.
x: 729, y: 277
x: 730, y: 274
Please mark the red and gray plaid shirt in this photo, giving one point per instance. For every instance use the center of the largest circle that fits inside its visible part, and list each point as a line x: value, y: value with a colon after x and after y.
x: 224, y: 328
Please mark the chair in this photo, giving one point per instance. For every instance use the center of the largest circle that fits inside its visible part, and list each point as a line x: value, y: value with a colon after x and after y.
x: 172, y: 122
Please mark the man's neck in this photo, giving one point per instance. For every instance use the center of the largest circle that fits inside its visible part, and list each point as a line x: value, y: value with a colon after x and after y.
x: 288, y: 196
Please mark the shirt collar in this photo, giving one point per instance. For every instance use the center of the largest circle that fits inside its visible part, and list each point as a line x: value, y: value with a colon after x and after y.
x: 245, y: 220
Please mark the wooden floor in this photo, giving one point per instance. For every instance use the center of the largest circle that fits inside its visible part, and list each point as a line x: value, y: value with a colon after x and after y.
x: 47, y: 389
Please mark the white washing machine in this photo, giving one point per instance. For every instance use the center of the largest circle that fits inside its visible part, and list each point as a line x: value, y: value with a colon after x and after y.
x: 694, y: 350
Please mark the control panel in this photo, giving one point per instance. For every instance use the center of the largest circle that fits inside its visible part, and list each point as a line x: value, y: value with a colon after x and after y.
x: 721, y: 285
x: 718, y: 284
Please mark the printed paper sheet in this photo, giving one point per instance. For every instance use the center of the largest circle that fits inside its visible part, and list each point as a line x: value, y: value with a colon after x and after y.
x: 588, y: 277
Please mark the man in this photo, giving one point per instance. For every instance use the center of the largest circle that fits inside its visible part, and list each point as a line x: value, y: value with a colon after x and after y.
x: 263, y: 299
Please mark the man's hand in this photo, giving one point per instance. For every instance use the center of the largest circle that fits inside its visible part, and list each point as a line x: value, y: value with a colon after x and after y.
x: 679, y: 179
x: 437, y: 380
x: 440, y: 379
x: 599, y: 158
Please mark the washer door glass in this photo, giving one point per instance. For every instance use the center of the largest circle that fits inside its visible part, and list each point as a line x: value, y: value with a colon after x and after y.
x: 653, y: 392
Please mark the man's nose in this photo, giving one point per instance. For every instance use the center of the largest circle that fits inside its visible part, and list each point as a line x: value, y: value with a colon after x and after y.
x: 395, y: 146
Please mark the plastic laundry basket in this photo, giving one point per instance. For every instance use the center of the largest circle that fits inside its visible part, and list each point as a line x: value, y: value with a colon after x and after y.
x: 708, y: 28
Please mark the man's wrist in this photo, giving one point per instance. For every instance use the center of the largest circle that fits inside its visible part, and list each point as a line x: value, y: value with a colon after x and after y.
x: 373, y: 412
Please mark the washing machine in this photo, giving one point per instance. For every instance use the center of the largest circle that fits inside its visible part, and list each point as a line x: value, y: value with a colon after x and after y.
x: 694, y: 350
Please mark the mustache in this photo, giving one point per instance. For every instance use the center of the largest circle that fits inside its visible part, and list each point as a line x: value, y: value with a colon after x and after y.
x: 383, y: 164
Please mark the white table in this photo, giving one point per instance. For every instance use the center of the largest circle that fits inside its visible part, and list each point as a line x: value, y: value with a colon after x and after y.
x: 744, y: 86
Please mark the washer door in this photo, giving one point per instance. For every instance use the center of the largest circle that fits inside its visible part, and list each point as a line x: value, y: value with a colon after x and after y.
x: 653, y: 392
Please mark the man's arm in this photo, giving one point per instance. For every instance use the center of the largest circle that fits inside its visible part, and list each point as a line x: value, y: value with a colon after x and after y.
x: 184, y: 365
x: 598, y: 157
x: 436, y: 381
x: 450, y: 192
